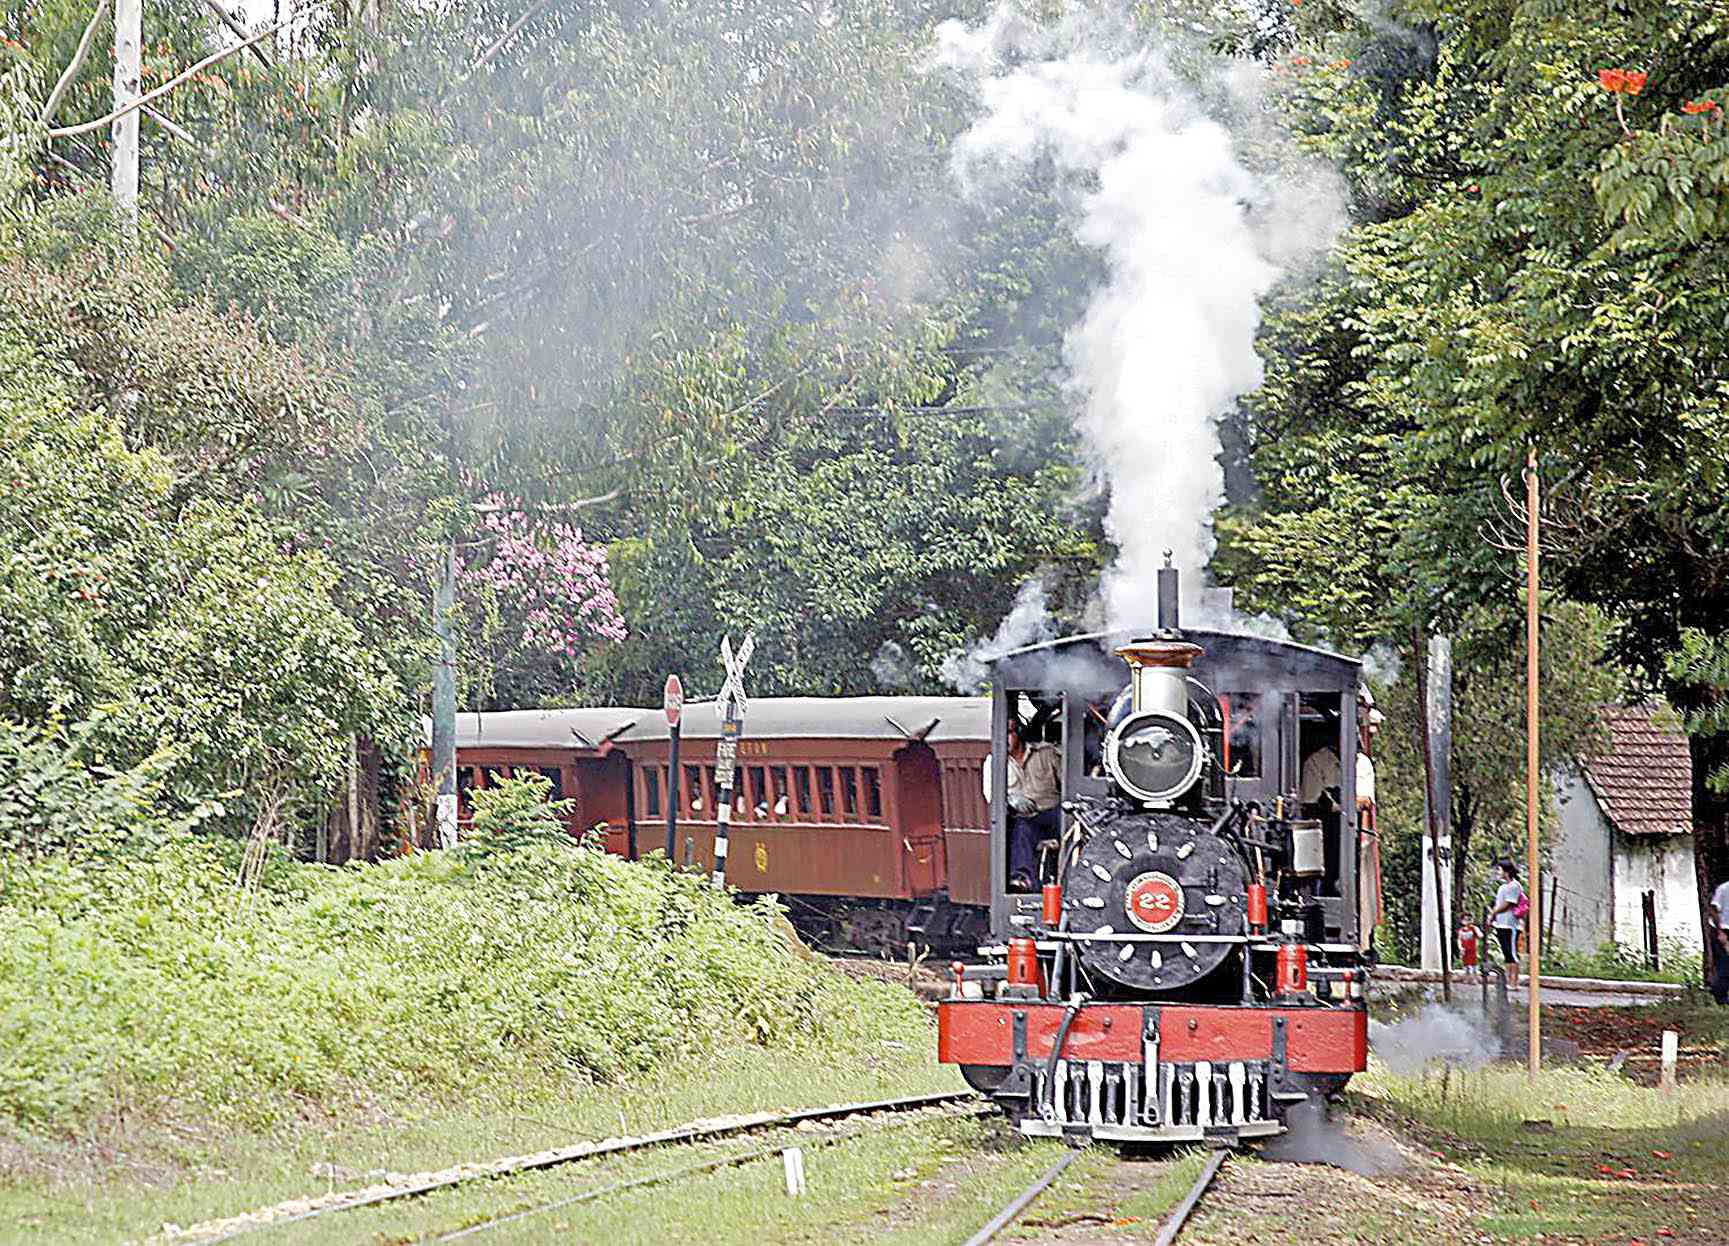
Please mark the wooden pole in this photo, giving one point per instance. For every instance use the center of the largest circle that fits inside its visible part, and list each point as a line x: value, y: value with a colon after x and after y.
x: 1533, y: 971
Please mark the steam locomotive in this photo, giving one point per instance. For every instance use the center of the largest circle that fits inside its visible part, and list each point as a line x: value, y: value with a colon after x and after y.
x: 1191, y: 963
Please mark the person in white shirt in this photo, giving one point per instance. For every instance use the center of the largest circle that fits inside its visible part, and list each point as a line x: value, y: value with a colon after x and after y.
x: 1035, y: 790
x: 1504, y: 919
x: 1717, y: 930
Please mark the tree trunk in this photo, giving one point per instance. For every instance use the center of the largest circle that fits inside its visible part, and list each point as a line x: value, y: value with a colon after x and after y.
x: 1710, y: 827
x: 128, y: 73
x: 1464, y: 824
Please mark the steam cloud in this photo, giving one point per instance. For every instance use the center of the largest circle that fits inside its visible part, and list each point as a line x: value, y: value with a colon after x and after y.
x: 1168, y: 344
x: 1436, y: 1035
x: 1027, y: 623
x: 1313, y: 1138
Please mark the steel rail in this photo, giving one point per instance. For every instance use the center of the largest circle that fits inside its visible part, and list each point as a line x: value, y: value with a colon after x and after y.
x: 1180, y: 1216
x: 594, y: 1150
x: 634, y: 1183
x: 1007, y: 1215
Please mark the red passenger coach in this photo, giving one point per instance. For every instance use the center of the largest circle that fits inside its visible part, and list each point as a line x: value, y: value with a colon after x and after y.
x: 575, y: 749
x: 865, y: 814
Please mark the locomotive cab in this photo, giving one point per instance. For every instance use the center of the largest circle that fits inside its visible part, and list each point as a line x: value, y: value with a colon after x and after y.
x: 1190, y: 961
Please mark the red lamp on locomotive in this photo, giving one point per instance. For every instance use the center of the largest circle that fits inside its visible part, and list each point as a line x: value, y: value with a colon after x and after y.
x: 1192, y: 965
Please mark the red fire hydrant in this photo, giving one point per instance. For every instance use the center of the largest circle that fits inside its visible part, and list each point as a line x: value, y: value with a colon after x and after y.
x: 1470, y: 940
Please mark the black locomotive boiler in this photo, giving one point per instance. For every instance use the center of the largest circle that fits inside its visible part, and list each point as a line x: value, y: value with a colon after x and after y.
x: 1190, y: 963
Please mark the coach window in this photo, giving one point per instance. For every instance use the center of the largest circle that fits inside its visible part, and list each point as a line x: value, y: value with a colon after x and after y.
x: 849, y: 791
x: 825, y: 790
x: 782, y: 798
x: 759, y: 797
x: 801, y: 777
x: 873, y: 790
x: 651, y: 792
x: 467, y: 779
x: 694, y: 789
x: 555, y: 776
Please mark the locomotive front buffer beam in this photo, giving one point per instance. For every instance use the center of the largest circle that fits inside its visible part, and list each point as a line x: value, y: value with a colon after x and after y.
x: 1151, y: 1072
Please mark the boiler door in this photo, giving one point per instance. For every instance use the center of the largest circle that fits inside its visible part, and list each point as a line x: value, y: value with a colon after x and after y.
x: 1164, y: 894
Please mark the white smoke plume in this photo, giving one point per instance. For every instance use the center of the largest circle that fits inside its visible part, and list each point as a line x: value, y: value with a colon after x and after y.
x: 893, y: 668
x: 1312, y: 1137
x: 1383, y: 664
x: 1027, y: 623
x: 1167, y: 345
x: 1436, y: 1035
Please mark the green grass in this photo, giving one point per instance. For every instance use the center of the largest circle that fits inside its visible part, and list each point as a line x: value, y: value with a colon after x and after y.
x: 924, y: 1182
x: 169, y: 1054
x: 154, y: 1175
x: 138, y: 985
x: 1492, y: 1103
x: 1676, y: 963
x: 1605, y: 1160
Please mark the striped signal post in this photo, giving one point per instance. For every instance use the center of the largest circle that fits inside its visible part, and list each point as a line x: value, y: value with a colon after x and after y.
x: 730, y: 703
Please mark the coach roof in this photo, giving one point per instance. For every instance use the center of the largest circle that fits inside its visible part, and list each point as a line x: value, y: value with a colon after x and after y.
x: 932, y: 719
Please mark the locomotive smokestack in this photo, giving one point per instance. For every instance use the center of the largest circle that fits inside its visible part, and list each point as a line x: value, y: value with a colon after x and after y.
x: 1168, y: 596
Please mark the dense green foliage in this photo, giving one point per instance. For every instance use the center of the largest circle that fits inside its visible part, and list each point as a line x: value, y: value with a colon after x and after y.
x: 167, y: 613
x: 139, y: 978
x: 1535, y: 263
x: 693, y: 277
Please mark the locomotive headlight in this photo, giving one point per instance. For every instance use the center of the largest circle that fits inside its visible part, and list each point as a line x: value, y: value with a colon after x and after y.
x: 1154, y: 756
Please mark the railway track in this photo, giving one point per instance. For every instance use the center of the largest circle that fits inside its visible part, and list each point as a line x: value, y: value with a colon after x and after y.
x: 1167, y: 1235
x: 244, y: 1225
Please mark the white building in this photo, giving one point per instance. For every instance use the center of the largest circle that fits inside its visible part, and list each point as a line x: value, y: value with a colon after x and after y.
x: 1627, y: 831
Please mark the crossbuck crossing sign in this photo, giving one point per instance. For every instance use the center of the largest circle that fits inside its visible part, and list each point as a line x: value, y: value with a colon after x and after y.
x: 730, y: 701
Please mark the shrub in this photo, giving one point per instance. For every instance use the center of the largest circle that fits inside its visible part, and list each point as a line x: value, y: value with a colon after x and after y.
x: 515, y: 811
x: 143, y: 982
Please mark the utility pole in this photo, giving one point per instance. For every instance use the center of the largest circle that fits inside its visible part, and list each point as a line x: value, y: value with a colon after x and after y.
x: 1437, y: 686
x: 672, y: 701
x: 1432, y: 935
x: 444, y: 699
x: 1534, y: 971
x: 128, y: 73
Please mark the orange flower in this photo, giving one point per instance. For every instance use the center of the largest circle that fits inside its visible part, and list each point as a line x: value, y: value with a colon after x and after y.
x: 1635, y: 81
x: 1301, y: 62
x: 1694, y: 107
x: 1614, y: 80
x: 1341, y: 65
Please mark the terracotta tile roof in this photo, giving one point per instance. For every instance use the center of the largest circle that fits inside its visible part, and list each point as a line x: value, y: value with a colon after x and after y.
x: 1644, y: 776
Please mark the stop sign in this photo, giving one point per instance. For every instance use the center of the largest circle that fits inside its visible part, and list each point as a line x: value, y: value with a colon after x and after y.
x: 673, y: 700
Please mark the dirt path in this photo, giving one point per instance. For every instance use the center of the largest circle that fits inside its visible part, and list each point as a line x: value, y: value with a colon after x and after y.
x: 1399, y: 1195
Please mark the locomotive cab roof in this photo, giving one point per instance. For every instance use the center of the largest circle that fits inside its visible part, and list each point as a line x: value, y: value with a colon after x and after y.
x: 1087, y: 663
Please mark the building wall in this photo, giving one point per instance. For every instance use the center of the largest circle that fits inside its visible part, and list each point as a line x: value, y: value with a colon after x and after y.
x: 1581, y: 860
x: 1660, y: 863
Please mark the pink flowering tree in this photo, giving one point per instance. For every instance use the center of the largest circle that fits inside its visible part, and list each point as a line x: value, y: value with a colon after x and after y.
x: 538, y: 590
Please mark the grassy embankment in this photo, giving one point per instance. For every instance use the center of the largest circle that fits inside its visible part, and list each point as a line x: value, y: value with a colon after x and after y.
x: 1579, y: 1153
x: 171, y: 1052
